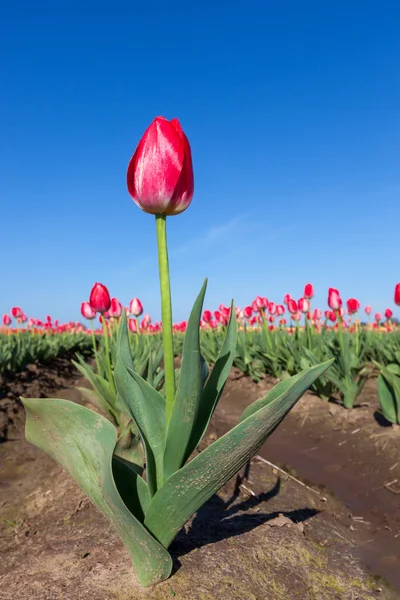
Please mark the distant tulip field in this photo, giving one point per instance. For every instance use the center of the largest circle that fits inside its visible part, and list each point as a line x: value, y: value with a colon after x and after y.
x: 274, y: 339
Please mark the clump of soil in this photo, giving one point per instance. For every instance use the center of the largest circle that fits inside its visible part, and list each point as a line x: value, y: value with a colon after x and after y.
x: 35, y: 381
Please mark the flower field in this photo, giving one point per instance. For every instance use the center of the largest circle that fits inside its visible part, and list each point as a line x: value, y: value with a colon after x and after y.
x: 158, y: 418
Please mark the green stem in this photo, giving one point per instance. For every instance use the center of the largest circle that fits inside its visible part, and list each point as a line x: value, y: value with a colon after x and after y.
x: 166, y: 314
x: 95, y: 347
x: 107, y: 349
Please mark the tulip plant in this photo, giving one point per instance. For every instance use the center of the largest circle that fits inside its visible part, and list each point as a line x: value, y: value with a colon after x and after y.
x: 149, y: 495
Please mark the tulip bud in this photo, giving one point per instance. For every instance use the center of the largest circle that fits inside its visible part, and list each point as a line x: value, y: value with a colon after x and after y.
x: 286, y: 299
x: 24, y: 318
x: 16, y: 312
x: 260, y: 302
x: 132, y: 325
x: 388, y: 313
x: 317, y: 314
x: 353, y: 306
x: 303, y: 305
x: 368, y: 310
x: 334, y: 300
x: 87, y: 311
x: 292, y: 306
x: 308, y: 291
x: 271, y: 308
x: 160, y: 173
x: 207, y: 316
x: 255, y: 306
x: 397, y: 294
x: 248, y: 311
x: 332, y: 316
x: 100, y: 299
x: 280, y: 309
x: 6, y: 320
x: 115, y: 308
x: 378, y: 316
x: 136, y: 307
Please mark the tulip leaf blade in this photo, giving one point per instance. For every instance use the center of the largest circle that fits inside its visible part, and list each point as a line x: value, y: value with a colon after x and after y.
x: 188, y: 394
x: 216, y: 382
x: 190, y: 487
x: 82, y: 442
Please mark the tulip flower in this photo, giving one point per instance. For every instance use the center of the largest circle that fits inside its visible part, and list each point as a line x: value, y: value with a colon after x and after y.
x: 286, y: 299
x: 87, y: 311
x: 317, y: 314
x: 308, y: 291
x: 136, y: 307
x: 132, y: 325
x: 207, y: 316
x: 332, y: 316
x: 388, y: 313
x: 160, y: 173
x: 16, y: 312
x: 292, y: 306
x: 260, y: 302
x: 353, y: 306
x: 271, y: 308
x: 115, y: 308
x: 255, y: 306
x: 100, y: 299
x: 334, y: 300
x: 397, y: 294
x: 303, y: 305
x: 378, y: 317
x: 248, y: 311
x: 368, y: 310
x: 280, y: 309
x: 6, y: 320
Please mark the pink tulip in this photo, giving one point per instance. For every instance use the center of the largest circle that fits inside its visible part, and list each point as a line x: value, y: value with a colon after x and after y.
x: 207, y: 316
x: 317, y: 314
x: 136, y: 307
x: 260, y: 302
x: 6, y: 320
x: 397, y: 294
x: 132, y: 325
x: 87, y: 311
x: 16, y: 312
x: 368, y: 310
x: 248, y: 311
x: 280, y: 310
x: 334, y: 300
x: 271, y: 308
x: 303, y: 305
x: 115, y: 308
x: 388, y: 313
x: 308, y: 291
x: 286, y: 299
x: 378, y: 316
x: 160, y: 173
x: 353, y: 306
x: 292, y: 306
x: 100, y: 299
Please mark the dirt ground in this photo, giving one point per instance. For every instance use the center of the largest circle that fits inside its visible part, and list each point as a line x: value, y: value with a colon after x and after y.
x: 264, y: 536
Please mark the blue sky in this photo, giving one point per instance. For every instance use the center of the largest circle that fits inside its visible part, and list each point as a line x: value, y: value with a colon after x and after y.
x: 292, y: 111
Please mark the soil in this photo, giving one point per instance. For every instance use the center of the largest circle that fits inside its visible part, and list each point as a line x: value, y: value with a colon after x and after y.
x: 263, y: 536
x: 35, y: 381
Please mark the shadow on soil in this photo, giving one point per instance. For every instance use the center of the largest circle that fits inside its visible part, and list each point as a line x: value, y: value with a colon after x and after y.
x: 219, y: 520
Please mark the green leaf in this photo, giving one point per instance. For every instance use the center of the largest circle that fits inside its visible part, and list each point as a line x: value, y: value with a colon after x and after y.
x: 190, y: 487
x: 131, y: 486
x: 83, y: 442
x: 147, y: 408
x: 387, y: 399
x: 295, y: 386
x: 215, y: 384
x: 187, y: 397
